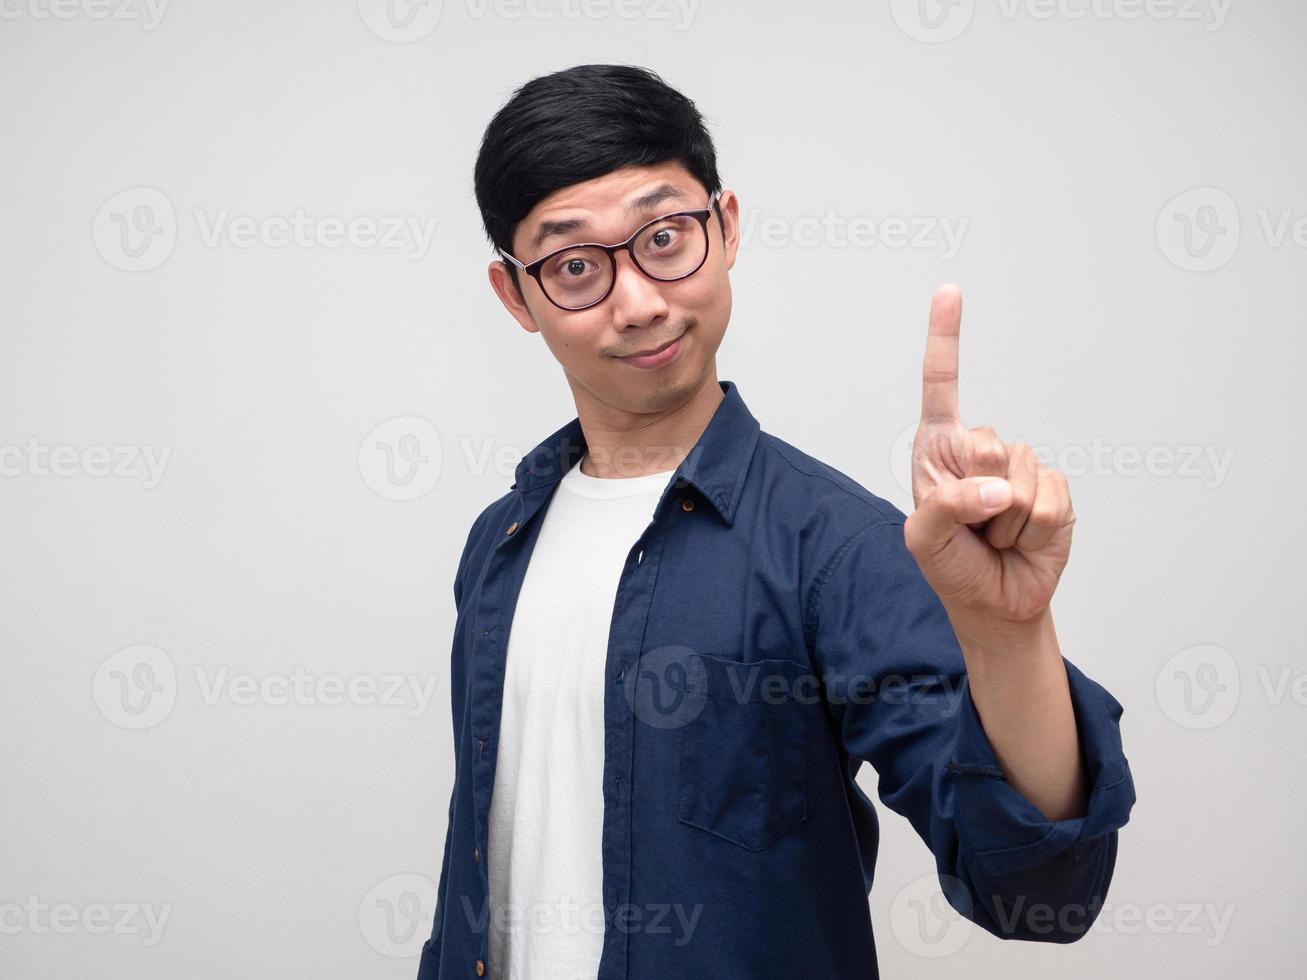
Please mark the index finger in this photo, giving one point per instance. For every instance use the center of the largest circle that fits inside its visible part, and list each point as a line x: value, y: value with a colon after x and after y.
x: 939, y: 373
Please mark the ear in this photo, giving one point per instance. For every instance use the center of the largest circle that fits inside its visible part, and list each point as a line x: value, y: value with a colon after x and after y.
x: 730, y: 221
x: 502, y: 283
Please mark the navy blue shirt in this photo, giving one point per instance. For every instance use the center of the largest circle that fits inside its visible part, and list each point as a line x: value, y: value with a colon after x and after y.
x: 771, y: 633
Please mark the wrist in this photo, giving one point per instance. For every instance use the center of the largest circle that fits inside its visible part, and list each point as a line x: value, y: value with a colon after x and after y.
x: 981, y: 635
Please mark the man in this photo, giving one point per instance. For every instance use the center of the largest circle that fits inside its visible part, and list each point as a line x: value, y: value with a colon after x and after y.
x: 679, y: 637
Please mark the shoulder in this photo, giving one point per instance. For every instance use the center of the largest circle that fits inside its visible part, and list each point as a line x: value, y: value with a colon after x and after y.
x: 831, y: 520
x: 829, y: 495
x: 837, y: 530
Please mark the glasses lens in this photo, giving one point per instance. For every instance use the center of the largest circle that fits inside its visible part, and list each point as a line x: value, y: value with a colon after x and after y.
x: 577, y: 277
x: 671, y: 247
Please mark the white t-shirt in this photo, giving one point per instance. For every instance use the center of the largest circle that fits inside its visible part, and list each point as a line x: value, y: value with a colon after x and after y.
x: 544, y: 851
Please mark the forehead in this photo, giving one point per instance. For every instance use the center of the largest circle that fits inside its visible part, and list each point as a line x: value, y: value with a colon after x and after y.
x: 606, y: 208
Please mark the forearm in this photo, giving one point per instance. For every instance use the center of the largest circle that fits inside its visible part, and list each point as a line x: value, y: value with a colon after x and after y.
x: 1019, y: 687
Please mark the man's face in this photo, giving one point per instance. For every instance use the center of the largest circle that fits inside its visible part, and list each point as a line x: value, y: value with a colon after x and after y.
x: 640, y: 315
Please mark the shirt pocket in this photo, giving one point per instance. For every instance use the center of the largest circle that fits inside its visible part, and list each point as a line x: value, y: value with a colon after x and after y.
x: 744, y: 754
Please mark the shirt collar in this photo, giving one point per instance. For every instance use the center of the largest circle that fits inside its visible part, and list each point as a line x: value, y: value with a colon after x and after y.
x: 716, y: 466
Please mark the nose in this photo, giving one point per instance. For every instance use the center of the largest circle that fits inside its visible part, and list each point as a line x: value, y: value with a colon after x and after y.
x: 637, y: 300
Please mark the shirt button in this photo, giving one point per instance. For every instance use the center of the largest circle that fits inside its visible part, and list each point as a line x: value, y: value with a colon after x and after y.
x: 512, y: 527
x: 481, y: 968
x: 687, y: 504
x: 476, y: 854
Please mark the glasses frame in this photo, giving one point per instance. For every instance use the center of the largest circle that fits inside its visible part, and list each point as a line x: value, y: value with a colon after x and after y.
x: 533, y: 267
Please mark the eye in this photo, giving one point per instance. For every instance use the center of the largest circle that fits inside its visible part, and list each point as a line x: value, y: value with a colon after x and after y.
x: 662, y: 239
x: 572, y: 266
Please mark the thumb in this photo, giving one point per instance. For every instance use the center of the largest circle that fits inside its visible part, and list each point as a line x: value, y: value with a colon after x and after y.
x: 972, y: 500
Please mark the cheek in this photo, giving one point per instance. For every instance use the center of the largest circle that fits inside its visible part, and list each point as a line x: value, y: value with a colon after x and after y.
x: 708, y: 289
x: 573, y: 335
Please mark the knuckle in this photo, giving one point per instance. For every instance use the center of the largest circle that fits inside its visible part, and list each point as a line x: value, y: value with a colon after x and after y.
x: 1043, y: 515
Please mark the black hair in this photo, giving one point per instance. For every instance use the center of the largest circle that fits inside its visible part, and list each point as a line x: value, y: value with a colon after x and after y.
x: 578, y: 124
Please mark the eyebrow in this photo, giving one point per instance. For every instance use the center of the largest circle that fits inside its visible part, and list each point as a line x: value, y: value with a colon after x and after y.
x: 643, y: 203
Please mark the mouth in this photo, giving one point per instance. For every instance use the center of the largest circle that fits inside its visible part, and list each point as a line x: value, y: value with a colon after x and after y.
x: 655, y: 356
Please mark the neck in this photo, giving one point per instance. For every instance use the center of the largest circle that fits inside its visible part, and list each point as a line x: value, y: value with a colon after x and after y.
x: 621, y: 444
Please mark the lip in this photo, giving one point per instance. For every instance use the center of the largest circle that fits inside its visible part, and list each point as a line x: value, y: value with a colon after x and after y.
x: 657, y: 357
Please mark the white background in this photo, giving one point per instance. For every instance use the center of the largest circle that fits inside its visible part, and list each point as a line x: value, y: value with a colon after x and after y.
x: 288, y: 839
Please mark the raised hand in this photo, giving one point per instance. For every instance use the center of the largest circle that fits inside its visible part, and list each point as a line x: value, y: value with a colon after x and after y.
x: 991, y: 530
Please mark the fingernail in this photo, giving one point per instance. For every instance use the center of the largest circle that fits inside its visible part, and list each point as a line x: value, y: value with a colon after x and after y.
x: 993, y: 493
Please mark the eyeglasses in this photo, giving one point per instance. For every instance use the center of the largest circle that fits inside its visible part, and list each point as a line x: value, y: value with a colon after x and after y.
x: 668, y: 248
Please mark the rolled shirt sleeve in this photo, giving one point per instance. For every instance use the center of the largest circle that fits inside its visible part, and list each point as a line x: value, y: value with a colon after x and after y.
x: 895, y: 681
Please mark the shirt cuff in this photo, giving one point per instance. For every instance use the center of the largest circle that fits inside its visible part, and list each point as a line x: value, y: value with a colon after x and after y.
x: 998, y: 828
